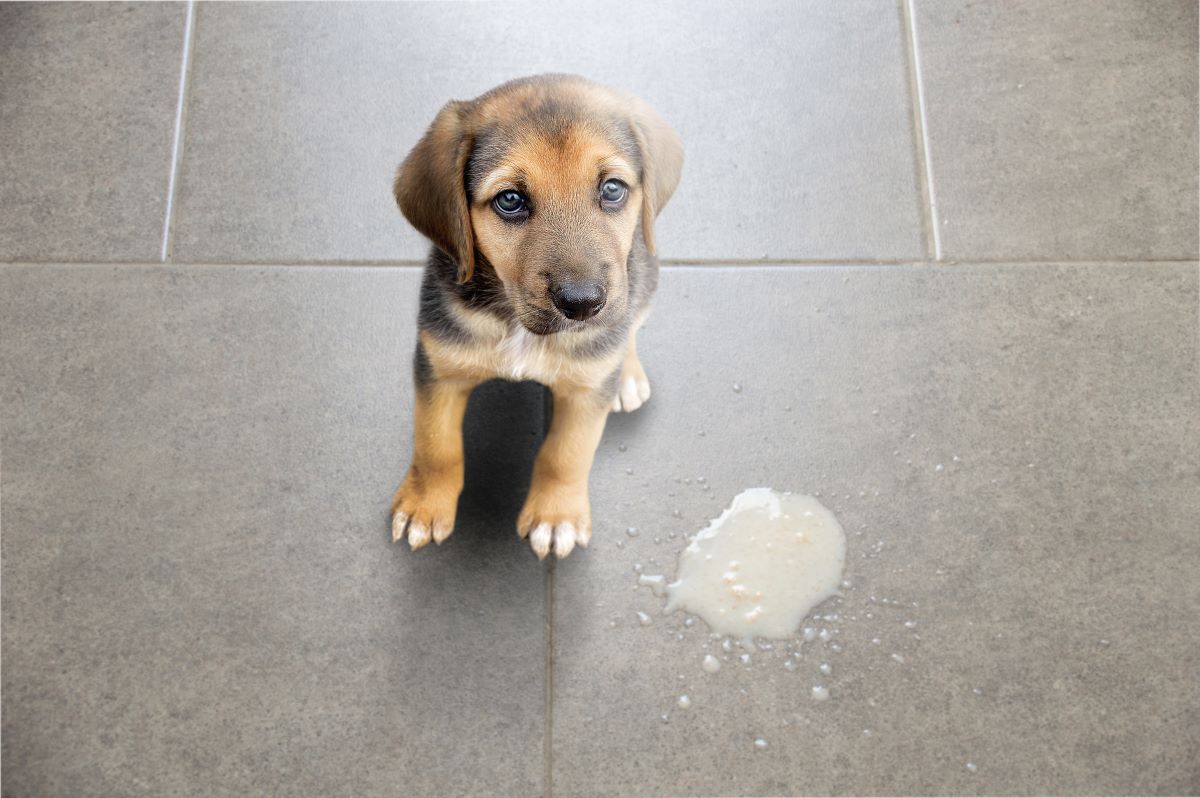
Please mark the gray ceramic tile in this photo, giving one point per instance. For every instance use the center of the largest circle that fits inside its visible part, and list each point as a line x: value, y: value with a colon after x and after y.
x: 1063, y: 129
x: 1013, y: 453
x: 795, y: 118
x: 88, y: 94
x: 199, y: 592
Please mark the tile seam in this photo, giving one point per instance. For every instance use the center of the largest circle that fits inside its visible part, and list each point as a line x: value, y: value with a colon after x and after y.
x: 666, y: 264
x: 916, y: 85
x: 180, y: 119
x: 548, y: 732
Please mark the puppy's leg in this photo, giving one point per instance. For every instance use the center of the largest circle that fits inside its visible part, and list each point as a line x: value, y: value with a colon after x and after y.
x: 633, y: 389
x: 426, y: 501
x: 557, y: 513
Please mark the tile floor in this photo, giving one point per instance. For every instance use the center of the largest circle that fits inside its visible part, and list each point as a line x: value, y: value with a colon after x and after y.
x: 948, y: 248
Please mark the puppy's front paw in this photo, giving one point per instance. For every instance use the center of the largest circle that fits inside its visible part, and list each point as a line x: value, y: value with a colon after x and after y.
x: 634, y: 387
x: 423, y: 515
x: 555, y: 518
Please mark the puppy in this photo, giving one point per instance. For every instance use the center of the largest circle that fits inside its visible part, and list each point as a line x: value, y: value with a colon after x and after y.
x: 540, y: 199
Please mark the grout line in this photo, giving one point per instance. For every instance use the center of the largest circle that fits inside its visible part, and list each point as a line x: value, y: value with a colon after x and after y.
x: 548, y: 742
x: 921, y: 125
x: 176, y: 145
x: 666, y: 264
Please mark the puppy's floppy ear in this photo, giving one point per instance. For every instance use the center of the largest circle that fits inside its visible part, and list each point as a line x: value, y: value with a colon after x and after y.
x: 430, y: 187
x: 662, y: 161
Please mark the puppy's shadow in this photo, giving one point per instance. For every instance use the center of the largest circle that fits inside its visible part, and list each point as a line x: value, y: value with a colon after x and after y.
x: 502, y: 432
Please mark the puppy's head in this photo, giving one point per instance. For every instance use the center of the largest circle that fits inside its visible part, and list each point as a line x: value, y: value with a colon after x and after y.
x: 551, y: 179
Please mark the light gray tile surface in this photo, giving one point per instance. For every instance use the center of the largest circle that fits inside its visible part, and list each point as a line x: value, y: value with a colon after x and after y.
x: 1050, y: 563
x: 796, y: 119
x: 200, y: 596
x: 1063, y: 129
x: 88, y: 94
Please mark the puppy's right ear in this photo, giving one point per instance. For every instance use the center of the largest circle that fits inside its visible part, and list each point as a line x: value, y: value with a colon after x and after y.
x: 431, y: 191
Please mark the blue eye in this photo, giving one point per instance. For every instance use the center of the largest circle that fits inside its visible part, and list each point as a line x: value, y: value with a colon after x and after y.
x: 510, y: 204
x: 613, y: 192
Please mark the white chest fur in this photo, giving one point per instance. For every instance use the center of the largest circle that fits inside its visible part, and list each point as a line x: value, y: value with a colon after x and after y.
x: 521, y: 355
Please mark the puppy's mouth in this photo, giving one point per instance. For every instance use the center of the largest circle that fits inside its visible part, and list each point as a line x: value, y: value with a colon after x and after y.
x: 549, y: 322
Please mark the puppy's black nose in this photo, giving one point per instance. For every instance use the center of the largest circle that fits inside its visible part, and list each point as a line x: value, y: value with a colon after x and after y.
x: 580, y: 300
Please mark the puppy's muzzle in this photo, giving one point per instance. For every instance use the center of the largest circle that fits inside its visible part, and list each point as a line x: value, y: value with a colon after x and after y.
x: 578, y: 300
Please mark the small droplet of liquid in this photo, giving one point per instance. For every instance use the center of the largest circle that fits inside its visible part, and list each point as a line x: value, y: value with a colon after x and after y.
x: 898, y: 658
x: 677, y: 513
x: 820, y: 692
x: 644, y: 619
x: 629, y: 471
x: 745, y: 658
x: 810, y: 634
x: 825, y: 668
x: 710, y: 664
x: 910, y: 624
x: 737, y: 387
x: 683, y: 702
x: 631, y: 531
x: 824, y: 636
x: 760, y: 744
x: 939, y: 467
x: 971, y: 766
x: 622, y: 448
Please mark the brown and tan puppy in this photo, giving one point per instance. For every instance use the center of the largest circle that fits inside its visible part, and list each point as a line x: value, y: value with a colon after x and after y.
x: 540, y: 198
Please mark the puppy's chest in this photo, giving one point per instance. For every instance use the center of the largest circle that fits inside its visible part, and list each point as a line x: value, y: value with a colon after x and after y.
x: 521, y: 355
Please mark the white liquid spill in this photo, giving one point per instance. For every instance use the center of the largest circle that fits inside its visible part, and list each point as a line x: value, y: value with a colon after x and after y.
x: 820, y: 692
x: 762, y: 566
x: 657, y: 583
x: 760, y: 744
x: 710, y: 664
x: 683, y: 702
x: 644, y: 619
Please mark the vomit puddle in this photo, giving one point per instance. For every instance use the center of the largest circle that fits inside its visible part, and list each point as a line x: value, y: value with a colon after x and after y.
x: 761, y: 567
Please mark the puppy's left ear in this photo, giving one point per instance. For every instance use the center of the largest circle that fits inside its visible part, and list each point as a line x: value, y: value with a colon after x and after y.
x: 431, y: 191
x: 662, y: 161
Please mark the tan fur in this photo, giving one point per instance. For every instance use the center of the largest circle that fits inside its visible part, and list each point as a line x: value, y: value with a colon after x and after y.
x: 428, y: 498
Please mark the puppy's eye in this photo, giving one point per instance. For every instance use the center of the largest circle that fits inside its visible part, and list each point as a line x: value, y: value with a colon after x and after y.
x: 613, y: 193
x: 510, y: 204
